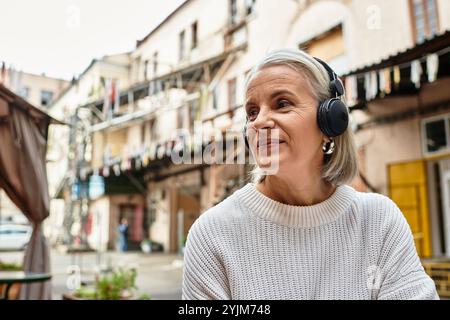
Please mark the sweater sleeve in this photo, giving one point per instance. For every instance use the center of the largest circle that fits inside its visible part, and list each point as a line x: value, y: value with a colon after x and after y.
x: 204, y: 276
x: 403, y: 276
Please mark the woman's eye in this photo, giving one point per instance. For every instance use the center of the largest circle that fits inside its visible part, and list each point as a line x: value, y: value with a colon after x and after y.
x: 283, y: 103
x: 252, y: 114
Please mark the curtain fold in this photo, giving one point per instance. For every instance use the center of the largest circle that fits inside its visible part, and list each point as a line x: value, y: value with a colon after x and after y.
x: 23, y: 144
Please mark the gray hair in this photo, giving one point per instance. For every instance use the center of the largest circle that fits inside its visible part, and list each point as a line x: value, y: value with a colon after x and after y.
x: 342, y: 165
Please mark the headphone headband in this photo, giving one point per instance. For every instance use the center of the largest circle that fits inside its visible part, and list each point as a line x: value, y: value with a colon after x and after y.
x: 336, y: 86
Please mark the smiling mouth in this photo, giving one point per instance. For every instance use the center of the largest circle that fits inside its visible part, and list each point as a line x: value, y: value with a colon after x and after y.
x: 269, y: 143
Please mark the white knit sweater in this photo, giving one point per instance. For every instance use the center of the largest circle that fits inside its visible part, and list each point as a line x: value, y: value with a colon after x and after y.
x: 353, y: 245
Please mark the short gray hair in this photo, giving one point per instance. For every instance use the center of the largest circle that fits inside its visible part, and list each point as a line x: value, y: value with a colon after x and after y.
x: 342, y: 165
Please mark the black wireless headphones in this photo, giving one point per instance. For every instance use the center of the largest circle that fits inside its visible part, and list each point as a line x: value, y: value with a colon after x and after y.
x: 332, y: 114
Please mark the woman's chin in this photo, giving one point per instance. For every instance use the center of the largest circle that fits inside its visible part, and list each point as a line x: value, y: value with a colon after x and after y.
x: 270, y: 164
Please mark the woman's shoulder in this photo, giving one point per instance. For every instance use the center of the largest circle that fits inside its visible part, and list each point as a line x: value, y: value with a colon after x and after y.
x: 222, y: 214
x: 378, y: 209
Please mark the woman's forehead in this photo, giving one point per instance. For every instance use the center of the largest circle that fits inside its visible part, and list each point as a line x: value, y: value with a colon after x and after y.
x: 273, y: 77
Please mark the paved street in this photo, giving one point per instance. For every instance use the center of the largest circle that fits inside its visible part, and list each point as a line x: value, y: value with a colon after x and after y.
x: 159, y: 275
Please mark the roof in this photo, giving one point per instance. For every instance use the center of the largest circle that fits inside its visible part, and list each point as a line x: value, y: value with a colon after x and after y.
x: 13, y: 98
x: 139, y: 42
x: 75, y: 81
x: 437, y: 43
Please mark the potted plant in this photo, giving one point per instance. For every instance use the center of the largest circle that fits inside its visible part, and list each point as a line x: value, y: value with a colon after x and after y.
x: 117, y: 285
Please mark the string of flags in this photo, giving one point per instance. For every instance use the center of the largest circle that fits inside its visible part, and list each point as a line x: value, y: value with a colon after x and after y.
x: 137, y: 159
x: 379, y: 83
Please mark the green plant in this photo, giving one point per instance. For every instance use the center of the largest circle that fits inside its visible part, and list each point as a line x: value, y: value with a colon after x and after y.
x: 144, y: 296
x: 119, y: 284
x: 86, y: 293
x: 4, y: 266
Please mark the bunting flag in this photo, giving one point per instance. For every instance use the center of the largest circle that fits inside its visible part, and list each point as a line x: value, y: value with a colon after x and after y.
x: 116, y: 169
x: 432, y: 67
x: 145, y: 160
x: 387, y: 79
x: 351, y: 90
x: 105, y: 171
x: 367, y: 80
x: 416, y: 73
x: 383, y: 81
x: 397, y: 76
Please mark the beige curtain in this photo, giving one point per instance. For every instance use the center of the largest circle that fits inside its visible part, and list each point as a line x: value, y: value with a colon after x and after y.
x: 23, y: 142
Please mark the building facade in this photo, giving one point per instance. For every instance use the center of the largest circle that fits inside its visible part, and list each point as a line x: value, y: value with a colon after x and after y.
x: 69, y: 146
x: 190, y: 72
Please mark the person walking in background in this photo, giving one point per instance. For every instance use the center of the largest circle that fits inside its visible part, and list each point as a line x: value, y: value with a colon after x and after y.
x: 123, y: 235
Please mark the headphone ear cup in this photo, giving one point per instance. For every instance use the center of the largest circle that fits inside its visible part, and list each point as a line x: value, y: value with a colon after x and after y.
x: 321, y: 117
x: 332, y: 117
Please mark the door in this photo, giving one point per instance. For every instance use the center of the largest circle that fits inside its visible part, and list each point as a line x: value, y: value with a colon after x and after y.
x: 444, y: 167
x: 134, y: 215
x: 408, y: 189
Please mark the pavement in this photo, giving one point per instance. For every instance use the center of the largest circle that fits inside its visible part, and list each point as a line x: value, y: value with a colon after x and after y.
x: 159, y: 275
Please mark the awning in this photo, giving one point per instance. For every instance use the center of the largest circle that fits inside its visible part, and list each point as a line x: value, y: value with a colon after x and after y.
x: 401, y: 74
x: 433, y: 45
x: 24, y: 105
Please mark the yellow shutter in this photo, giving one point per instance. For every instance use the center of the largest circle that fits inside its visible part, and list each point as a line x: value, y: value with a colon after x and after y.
x: 408, y: 189
x: 327, y: 46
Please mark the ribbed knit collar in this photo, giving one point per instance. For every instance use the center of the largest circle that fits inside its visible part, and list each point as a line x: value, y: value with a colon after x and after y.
x: 318, y: 214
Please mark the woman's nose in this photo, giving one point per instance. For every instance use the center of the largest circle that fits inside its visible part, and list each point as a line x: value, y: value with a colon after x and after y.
x: 263, y: 120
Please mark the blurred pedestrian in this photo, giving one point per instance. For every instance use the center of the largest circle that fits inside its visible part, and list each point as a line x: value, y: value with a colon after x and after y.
x: 123, y: 235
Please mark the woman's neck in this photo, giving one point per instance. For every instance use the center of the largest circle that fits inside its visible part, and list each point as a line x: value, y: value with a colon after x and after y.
x: 296, y: 194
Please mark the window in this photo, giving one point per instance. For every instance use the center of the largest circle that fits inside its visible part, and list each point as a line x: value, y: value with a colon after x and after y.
x: 328, y: 45
x: 424, y: 19
x: 24, y: 92
x: 194, y: 30
x: 155, y: 64
x: 46, y: 97
x: 233, y: 11
x: 181, y: 48
x: 436, y: 134
x: 215, y: 98
x: 145, y: 69
x: 231, y: 93
x: 249, y: 4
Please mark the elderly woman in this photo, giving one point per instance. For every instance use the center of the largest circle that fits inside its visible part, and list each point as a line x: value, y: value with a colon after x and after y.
x: 302, y: 232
